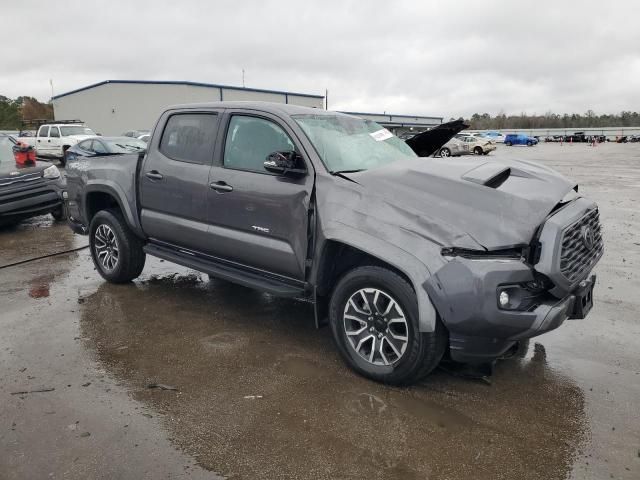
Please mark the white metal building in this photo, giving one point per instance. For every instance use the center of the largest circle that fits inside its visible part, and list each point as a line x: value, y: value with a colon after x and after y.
x: 115, y: 106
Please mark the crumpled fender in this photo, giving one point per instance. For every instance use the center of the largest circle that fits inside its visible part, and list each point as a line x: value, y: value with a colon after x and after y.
x: 403, y: 260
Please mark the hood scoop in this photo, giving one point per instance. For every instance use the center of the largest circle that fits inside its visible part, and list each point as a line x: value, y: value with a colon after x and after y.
x: 490, y: 175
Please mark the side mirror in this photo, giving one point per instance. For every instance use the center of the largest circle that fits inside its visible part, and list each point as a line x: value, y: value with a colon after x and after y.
x: 285, y: 163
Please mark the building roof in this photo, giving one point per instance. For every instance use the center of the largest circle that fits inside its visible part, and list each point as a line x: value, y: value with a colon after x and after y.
x: 185, y: 83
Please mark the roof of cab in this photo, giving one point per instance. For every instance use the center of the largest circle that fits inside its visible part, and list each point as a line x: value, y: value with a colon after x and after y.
x: 269, y: 107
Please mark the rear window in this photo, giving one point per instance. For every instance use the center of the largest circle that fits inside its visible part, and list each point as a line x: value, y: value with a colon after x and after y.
x: 189, y: 137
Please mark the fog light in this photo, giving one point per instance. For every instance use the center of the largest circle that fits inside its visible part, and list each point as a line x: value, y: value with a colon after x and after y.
x: 503, y: 299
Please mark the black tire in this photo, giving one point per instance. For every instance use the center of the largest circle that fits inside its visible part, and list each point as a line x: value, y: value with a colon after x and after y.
x: 478, y: 151
x: 445, y: 152
x: 63, y: 160
x: 423, y: 350
x: 61, y: 213
x: 485, y: 153
x: 130, y: 255
x: 508, y: 144
x: 529, y: 144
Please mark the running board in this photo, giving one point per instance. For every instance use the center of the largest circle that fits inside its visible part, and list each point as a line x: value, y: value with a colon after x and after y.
x: 227, y: 272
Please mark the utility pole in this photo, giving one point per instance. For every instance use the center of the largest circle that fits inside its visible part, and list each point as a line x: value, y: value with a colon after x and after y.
x: 51, y: 83
x: 326, y: 99
x: 243, y: 78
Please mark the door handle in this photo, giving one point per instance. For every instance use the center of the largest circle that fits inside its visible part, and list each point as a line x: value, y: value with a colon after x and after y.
x: 48, y: 141
x: 154, y: 175
x: 221, y: 187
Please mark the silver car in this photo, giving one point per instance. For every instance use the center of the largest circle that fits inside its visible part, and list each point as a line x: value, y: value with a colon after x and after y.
x: 467, y: 145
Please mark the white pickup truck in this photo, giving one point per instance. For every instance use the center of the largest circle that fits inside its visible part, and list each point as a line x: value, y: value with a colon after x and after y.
x: 53, y: 139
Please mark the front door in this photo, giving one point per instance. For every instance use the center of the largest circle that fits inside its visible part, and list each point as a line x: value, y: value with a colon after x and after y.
x: 174, y: 185
x: 257, y: 218
x: 42, y: 139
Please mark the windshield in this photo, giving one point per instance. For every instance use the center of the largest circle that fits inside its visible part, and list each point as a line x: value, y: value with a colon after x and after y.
x: 76, y: 130
x: 125, y: 145
x: 6, y: 153
x: 348, y: 143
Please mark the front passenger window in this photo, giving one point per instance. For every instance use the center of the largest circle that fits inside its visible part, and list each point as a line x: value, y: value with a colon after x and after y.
x: 250, y: 140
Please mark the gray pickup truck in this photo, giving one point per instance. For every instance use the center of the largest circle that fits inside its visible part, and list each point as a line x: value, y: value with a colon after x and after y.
x: 407, y: 258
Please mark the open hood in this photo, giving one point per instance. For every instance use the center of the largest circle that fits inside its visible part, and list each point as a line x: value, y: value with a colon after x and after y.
x: 429, y: 142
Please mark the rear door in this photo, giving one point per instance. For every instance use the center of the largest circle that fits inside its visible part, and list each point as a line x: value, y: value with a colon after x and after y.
x: 257, y: 218
x: 174, y: 184
x: 42, y: 139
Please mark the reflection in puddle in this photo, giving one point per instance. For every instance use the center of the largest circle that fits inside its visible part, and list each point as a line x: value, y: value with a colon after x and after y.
x: 219, y: 343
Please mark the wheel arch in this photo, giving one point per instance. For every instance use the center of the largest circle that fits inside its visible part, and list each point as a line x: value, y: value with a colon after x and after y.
x: 101, y: 197
x: 338, y: 255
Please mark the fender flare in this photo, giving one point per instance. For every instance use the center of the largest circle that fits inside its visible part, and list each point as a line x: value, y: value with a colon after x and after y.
x: 115, y: 191
x: 411, y: 266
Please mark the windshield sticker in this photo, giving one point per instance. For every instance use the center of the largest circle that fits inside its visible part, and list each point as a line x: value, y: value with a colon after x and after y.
x: 381, y: 135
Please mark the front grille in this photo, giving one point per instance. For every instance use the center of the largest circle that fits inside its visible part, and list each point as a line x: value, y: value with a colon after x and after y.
x: 576, y: 258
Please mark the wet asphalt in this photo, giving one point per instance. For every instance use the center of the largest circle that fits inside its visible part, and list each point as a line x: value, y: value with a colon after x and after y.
x: 249, y: 388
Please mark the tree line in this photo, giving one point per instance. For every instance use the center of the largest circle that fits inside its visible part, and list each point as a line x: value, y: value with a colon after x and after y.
x: 501, y: 121
x: 13, y: 112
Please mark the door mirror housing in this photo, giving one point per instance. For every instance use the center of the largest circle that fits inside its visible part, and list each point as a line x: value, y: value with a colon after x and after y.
x: 287, y: 163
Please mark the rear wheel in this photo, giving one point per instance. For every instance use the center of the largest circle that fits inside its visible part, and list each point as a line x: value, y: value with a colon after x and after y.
x: 116, y: 252
x: 445, y: 152
x: 508, y: 144
x: 374, y: 320
x: 63, y: 160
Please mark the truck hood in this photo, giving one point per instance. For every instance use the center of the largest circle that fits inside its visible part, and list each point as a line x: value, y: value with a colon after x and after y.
x: 469, y: 203
x: 429, y: 142
x: 79, y: 138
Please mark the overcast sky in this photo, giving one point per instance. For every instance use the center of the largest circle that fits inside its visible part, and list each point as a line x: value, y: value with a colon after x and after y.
x: 443, y: 58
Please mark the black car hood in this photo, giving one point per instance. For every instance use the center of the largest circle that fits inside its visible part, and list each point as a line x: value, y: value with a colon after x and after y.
x: 469, y: 203
x: 9, y: 170
x: 429, y: 142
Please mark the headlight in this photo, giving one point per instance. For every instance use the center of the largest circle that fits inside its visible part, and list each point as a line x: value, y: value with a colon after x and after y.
x: 51, y: 172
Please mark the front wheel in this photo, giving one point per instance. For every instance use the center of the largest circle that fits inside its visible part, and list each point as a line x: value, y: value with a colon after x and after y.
x: 529, y: 144
x: 116, y: 252
x: 374, y: 320
x: 445, y: 152
x: 477, y: 151
x: 60, y: 214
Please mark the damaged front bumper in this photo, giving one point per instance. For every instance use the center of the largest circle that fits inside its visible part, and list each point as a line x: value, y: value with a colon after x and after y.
x: 466, y: 293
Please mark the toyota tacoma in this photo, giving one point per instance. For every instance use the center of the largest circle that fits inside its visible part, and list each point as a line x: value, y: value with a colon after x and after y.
x: 408, y: 259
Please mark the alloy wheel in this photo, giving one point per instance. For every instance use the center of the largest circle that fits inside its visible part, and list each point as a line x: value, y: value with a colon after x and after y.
x: 375, y: 326
x: 106, y: 247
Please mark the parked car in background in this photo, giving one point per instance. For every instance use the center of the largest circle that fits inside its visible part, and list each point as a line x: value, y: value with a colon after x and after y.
x: 408, y: 259
x: 136, y: 133
x: 29, y: 190
x: 145, y: 138
x: 577, y: 137
x: 53, y: 139
x: 467, y: 145
x: 494, y: 136
x: 102, y: 146
x: 520, y: 139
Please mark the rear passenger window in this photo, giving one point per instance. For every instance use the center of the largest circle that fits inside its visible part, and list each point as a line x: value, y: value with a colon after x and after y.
x: 44, y: 132
x: 54, y: 132
x: 189, y: 137
x: 250, y: 140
